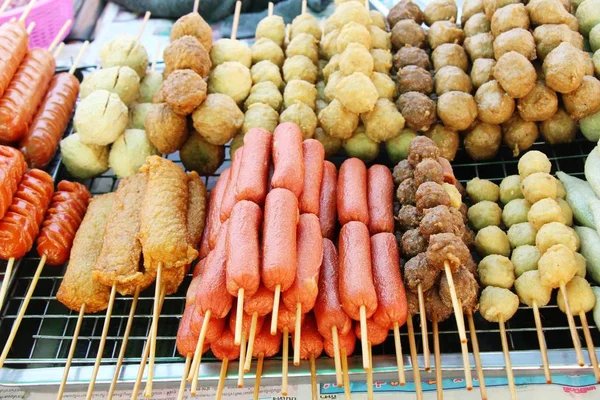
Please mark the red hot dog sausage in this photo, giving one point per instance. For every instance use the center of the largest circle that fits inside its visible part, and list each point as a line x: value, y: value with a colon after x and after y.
x: 288, y: 161
x: 63, y: 218
x: 347, y: 342
x: 199, y: 266
x: 260, y: 303
x: 12, y: 168
x: 313, y: 156
x: 40, y: 142
x: 380, y: 185
x: 392, y: 306
x: 215, y: 327
x: 229, y: 195
x: 186, y: 340
x: 213, y: 220
x: 356, y: 275
x: 23, y: 96
x: 246, y: 321
x: 375, y: 332
x: 243, y: 248
x: 287, y: 319
x: 309, y: 247
x: 328, y: 200
x: 254, y: 170
x: 265, y: 343
x: 328, y: 308
x: 352, y: 203
x: 14, y: 42
x: 311, y: 342
x: 279, y: 239
x: 224, y: 348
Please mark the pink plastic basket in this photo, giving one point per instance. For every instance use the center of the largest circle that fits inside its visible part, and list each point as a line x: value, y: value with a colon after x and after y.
x: 49, y: 16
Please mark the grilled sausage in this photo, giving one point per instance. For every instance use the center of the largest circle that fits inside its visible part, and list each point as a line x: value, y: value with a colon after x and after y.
x: 63, y: 218
x: 375, y: 332
x: 254, y: 170
x: 12, y: 168
x: 380, y: 192
x: 246, y: 321
x: 352, y: 203
x: 216, y: 327
x: 24, y: 94
x: 288, y: 162
x: 224, y: 348
x: 328, y: 200
x: 41, y: 141
x: 260, y: 303
x: 229, y: 195
x: 311, y: 342
x: 213, y: 220
x: 313, y: 155
x: 14, y: 43
x: 347, y: 342
x: 287, y: 319
x: 265, y: 343
x: 186, y: 340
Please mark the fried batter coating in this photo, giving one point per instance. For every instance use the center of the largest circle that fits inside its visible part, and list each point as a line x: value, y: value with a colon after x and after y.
x: 303, y: 116
x: 194, y: 25
x: 585, y: 100
x: 447, y: 248
x: 377, y: 19
x: 304, y: 45
x: 482, y: 71
x: 407, y: 32
x: 411, y: 55
x: 266, y: 49
x: 232, y: 79
x: 418, y: 110
x: 548, y: 37
x: 478, y: 23
x: 260, y: 115
x: 337, y: 121
x: 183, y: 90
x: 451, y: 78
x: 470, y: 8
x: 515, y: 74
x: 187, y: 53
x: 383, y: 122
x: 357, y: 93
x: 355, y: 58
x: 353, y: 33
x: 510, y: 17
x: 300, y: 91
x: 300, y: 67
x: 482, y: 141
x: 271, y: 27
x: 449, y: 54
x: 480, y: 46
x: 517, y: 39
x: 539, y: 104
x: 265, y: 92
x: 166, y: 130
x: 444, y: 32
x: 381, y: 39
x: 218, y: 119
x: 440, y: 10
x: 382, y: 60
x: 266, y: 71
x: 328, y: 45
x: 457, y: 110
x: 494, y: 105
x: 384, y: 84
x: 305, y: 23
x: 543, y: 12
x: 564, y: 68
x: 446, y: 139
x: 414, y: 79
x: 226, y: 50
x: 196, y: 213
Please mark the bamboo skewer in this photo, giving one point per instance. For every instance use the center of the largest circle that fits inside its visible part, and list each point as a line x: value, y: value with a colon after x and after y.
x: 414, y: 358
x: 186, y: 370
x: 364, y: 339
x: 63, y: 383
x: 465, y: 356
x: 370, y: 376
x: 155, y: 315
x: 439, y: 384
x: 542, y: 342
x: 155, y: 57
x: 236, y: 19
x: 367, y: 4
x: 143, y: 27
x: 399, y: 359
x: 507, y: 362
x: 59, y: 35
x: 6, y: 279
x: 477, y: 357
x: 423, y: 320
x: 238, y: 321
x: 313, y: 377
x: 460, y: 323
x: 572, y: 327
x: 275, y: 313
x: 4, y: 6
x: 196, y: 5
x: 270, y: 9
x: 58, y: 50
x: 345, y: 374
x: 259, y: 368
x: 335, y: 339
x: 27, y: 11
x: 590, y: 345
x: 284, y: 362
x: 240, y: 382
x: 250, y: 346
x: 303, y: 11
x: 195, y: 369
x: 78, y: 58
x: 222, y: 377
x: 30, y: 28
x: 297, y: 332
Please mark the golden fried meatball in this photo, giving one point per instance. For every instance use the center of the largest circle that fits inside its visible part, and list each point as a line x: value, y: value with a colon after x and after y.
x: 451, y: 78
x: 533, y: 161
x: 353, y: 33
x: 539, y: 104
x: 521, y: 234
x: 328, y: 45
x: 302, y: 91
x: 380, y: 38
x: 300, y: 67
x: 457, y: 110
x: 449, y: 54
x: 518, y: 134
x: 531, y: 291
x: 548, y: 37
x: 186, y: 53
x: 271, y: 27
x: 440, y: 10
x: 539, y: 185
x: 337, y: 121
x: 231, y: 78
x: 496, y: 270
x: 470, y: 8
x: 331, y: 86
x: 482, y: 190
x: 361, y: 146
x: 543, y: 12
x: 581, y: 296
x: 383, y: 122
x: 411, y: 55
x: 377, y: 19
x: 166, y: 130
x: 355, y: 58
x: 565, y: 207
x: 585, y: 100
x: 351, y: 11
x: 559, y: 128
x: 303, y: 116
x: 305, y: 23
x: 525, y: 258
x: 260, y: 115
x: 414, y: 79
x: 124, y: 51
x: 382, y: 60
x: 498, y: 304
x: 490, y: 6
x: 444, y: 32
x: 407, y: 32
x: 265, y: 92
x: 510, y: 17
x: 544, y: 212
x: 193, y: 24
x: 557, y: 265
x: 266, y: 49
x: 480, y: 46
x: 482, y: 141
x: 183, y: 91
x: 510, y: 189
x: 405, y: 9
x: 515, y: 74
x: 482, y: 71
x: 517, y: 39
x: 515, y: 211
x: 304, y: 45
x: 218, y: 119
x: 357, y: 93
x: 478, y: 23
x: 445, y: 139
x: 492, y: 240
x: 332, y: 66
x: 264, y: 71
x: 384, y: 84
x: 564, y: 68
x: 554, y: 233
x: 418, y: 110
x: 494, y: 105
x: 485, y: 213
x: 332, y: 145
x: 224, y: 50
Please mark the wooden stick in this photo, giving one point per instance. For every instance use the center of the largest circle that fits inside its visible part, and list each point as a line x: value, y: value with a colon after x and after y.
x: 12, y: 20
x: 236, y: 19
x: 439, y: 384
x: 4, y: 6
x: 542, y: 342
x: 424, y: 335
x: 113, y: 384
x: 30, y: 27
x: 335, y: 339
x: 476, y: 355
x: 363, y: 338
x: 270, y: 9
x: 572, y: 327
x: 144, y: 23
x: 78, y: 58
x: 313, y: 377
x: 250, y: 347
x: 275, y: 313
x: 346, y: 376
x: 303, y: 6
x: 198, y: 353
x: 399, y: 359
x: 22, y: 310
x: 455, y: 304
x: 186, y: 370
x: 59, y: 35
x: 590, y: 345
x: 259, y: 368
x: 109, y: 310
x: 155, y: 57
x: 63, y: 383
x: 284, y: 362
x: 414, y: 358
x: 222, y: 377
x: 27, y: 11
x: 367, y: 4
x: 369, y: 375
x: 297, y: 333
x: 58, y: 50
x: 507, y: 362
x: 465, y: 356
x: 155, y: 317
x: 5, y: 280
x: 238, y: 321
x: 240, y: 382
x: 196, y: 5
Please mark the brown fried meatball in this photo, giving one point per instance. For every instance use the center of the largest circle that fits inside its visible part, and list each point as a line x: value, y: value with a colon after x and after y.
x: 440, y: 219
x: 183, y: 91
x: 435, y: 308
x: 440, y: 10
x: 477, y: 24
x: 431, y: 194
x: 564, y: 68
x: 420, y: 148
x: 540, y: 103
x: 412, y: 300
x: 187, y: 53
x: 402, y: 171
x: 548, y: 37
x: 510, y: 17
x: 418, y: 272
x: 406, y: 191
x: 411, y: 55
x: 515, y: 74
x: 412, y: 243
x: 450, y: 79
x: 519, y: 135
x: 583, y: 101
x: 447, y: 247
x: 193, y: 24
x: 482, y: 141
x: 559, y: 128
x: 408, y: 217
x: 428, y: 170
x: 482, y: 71
x: 449, y: 54
x: 480, y: 46
x: 166, y: 130
x: 517, y: 39
x: 446, y: 139
x: 466, y: 286
x: 470, y: 8
x: 414, y: 79
x: 407, y: 32
x: 417, y: 109
x: 494, y: 105
x: 405, y: 9
x: 457, y: 110
x: 444, y: 32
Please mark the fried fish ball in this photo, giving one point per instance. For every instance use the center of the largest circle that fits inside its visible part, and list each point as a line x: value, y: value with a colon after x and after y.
x: 510, y: 17
x: 332, y: 145
x: 414, y: 79
x: 300, y: 67
x: 585, y: 100
x: 232, y: 79
x: 449, y: 79
x: 440, y: 10
x: 271, y: 27
x: 200, y: 156
x: 383, y: 122
x: 380, y: 38
x: 382, y: 60
x: 356, y: 58
x: 218, y: 119
x: 521, y: 234
x: 266, y: 71
x: 494, y: 105
x: 496, y: 270
x: 194, y: 25
x: 544, y: 212
x: 559, y: 128
x: 353, y: 33
x: 411, y: 55
x: 125, y: 50
x: 482, y: 190
x: 478, y: 23
x: 305, y: 45
x: 485, y: 213
x: 397, y: 148
x: 470, y: 8
x: 361, y: 146
x: 265, y: 92
x: 554, y: 233
x: 590, y: 127
x: 557, y: 265
x: 137, y: 115
x: 531, y: 291
x: 166, y: 130
x: 543, y: 12
x: 457, y: 110
x: 405, y: 9
x: 183, y: 91
x: 377, y: 19
x: 516, y: 39
x: 123, y: 81
x: 515, y: 74
x: 328, y: 44
x: 305, y: 23
x: 82, y: 160
x: 302, y: 91
x: 129, y: 152
x: 533, y: 161
x: 515, y: 211
x: 266, y: 49
x: 565, y: 208
x: 303, y: 116
x: 260, y: 115
x: 332, y: 66
x: 446, y: 139
x: 357, y: 93
x: 519, y: 135
x: 384, y: 84
x: 492, y: 240
x: 482, y: 141
x: 149, y: 86
x: 331, y: 86
x: 595, y: 38
x: 525, y: 258
x: 539, y: 104
x: 480, y: 46
x: 418, y: 110
x: 490, y: 6
x: 548, y: 37
x: 100, y: 118
x: 539, y: 185
x: 444, y: 32
x: 563, y: 68
x: 407, y: 32
x: 581, y: 296
x: 351, y: 11
x: 498, y: 304
x: 449, y: 54
x: 510, y: 189
x: 187, y: 53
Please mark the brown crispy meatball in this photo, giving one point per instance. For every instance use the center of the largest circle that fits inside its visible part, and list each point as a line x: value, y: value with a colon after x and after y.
x: 435, y: 307
x: 510, y: 17
x: 408, y: 217
x: 166, y: 130
x: 519, y: 135
x: 457, y: 110
x: 187, y: 53
x: 417, y: 109
x: 403, y: 170
x: 482, y: 141
x: 564, y: 68
x: 471, y: 266
x: 477, y: 24
x: 418, y: 272
x: 449, y: 54
x: 428, y: 170
x: 431, y: 194
x: 516, y: 74
x: 559, y: 128
x: 548, y: 37
x: 406, y: 191
x: 482, y: 71
x: 420, y: 148
x: 517, y: 39
x: 413, y: 243
x: 494, y: 105
x: 440, y: 10
x: 444, y: 32
x: 468, y: 237
x: 412, y: 300
x: 194, y: 25
x: 414, y: 79
x: 466, y: 286
x: 436, y: 220
x: 405, y: 9
x: 585, y: 100
x: 183, y: 91
x: 447, y: 247
x: 411, y: 55
x: 407, y: 32
x: 446, y: 139
x: 540, y: 103
x: 480, y: 46
x: 450, y: 79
